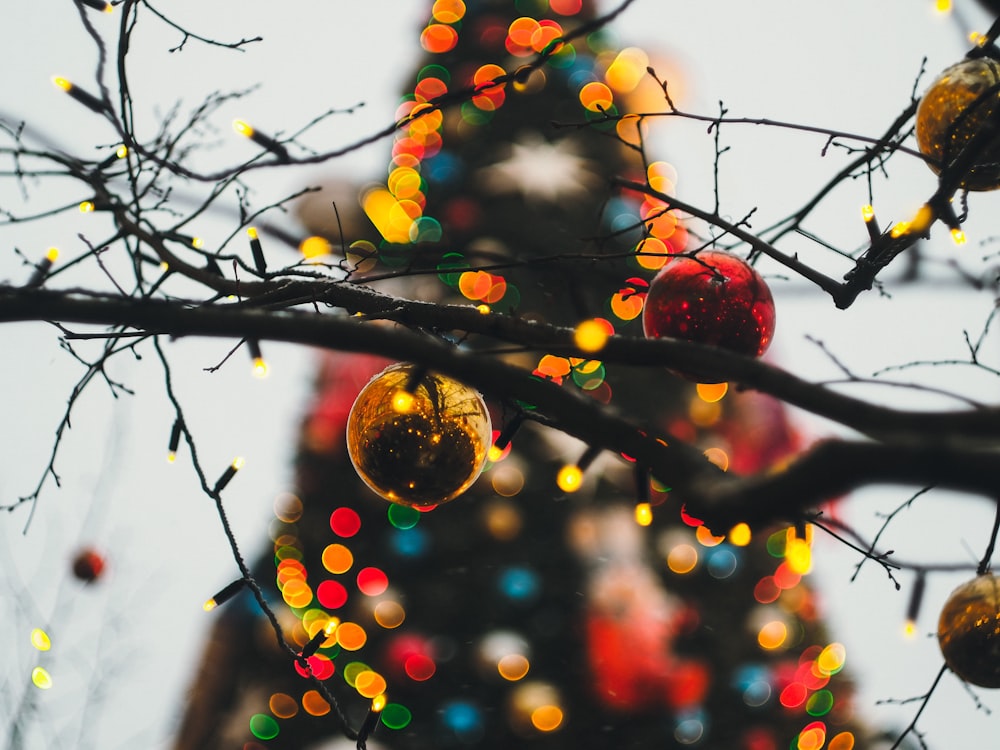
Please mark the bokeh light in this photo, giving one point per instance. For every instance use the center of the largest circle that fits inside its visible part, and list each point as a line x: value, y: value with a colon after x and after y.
x: 283, y: 705
x: 345, y: 522
x: 773, y: 635
x: 372, y: 581
x: 396, y: 716
x: 351, y: 636
x: 337, y: 558
x: 389, y: 614
x: 40, y: 639
x: 41, y: 678
x: 263, y: 727
x: 314, y: 704
x: 369, y: 683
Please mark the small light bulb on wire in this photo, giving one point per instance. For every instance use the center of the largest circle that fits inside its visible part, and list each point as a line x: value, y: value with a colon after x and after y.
x: 264, y: 141
x: 43, y: 267
x: 85, y: 98
x: 225, y: 595
x: 258, y: 252
x: 175, y: 441
x: 913, y: 607
x: 228, y: 474
x: 101, y: 5
x: 570, y: 476
x: 260, y: 369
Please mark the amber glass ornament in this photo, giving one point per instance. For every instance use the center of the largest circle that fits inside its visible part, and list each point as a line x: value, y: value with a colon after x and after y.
x: 712, y: 298
x: 969, y: 631
x: 953, y: 110
x: 418, y: 439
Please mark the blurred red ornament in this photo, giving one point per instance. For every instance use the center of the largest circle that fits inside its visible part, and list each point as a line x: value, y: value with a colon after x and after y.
x: 712, y: 298
x: 88, y: 565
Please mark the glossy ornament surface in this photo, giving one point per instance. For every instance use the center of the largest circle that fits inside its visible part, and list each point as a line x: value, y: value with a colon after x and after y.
x: 418, y: 444
x: 969, y: 631
x: 713, y: 298
x: 953, y: 110
x: 88, y: 565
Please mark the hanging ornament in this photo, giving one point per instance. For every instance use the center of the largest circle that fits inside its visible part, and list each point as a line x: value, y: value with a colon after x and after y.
x: 88, y: 565
x: 969, y: 631
x: 712, y: 298
x: 418, y: 438
x: 954, y: 109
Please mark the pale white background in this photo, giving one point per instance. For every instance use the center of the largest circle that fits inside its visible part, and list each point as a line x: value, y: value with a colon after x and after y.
x: 131, y: 639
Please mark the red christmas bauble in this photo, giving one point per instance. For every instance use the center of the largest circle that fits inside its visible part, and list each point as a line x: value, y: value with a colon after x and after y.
x: 88, y: 565
x: 712, y: 298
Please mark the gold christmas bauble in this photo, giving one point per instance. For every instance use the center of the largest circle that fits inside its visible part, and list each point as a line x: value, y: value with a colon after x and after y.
x: 418, y: 439
x: 969, y: 631
x: 953, y: 110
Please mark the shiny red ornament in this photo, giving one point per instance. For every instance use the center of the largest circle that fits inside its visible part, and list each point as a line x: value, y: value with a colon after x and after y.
x: 711, y: 298
x: 88, y: 565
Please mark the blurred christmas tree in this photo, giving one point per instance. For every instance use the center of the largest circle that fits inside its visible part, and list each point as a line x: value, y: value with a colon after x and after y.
x: 590, y: 614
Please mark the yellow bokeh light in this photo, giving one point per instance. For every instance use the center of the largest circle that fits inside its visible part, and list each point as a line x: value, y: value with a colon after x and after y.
x: 40, y: 639
x: 87, y: 207
x: 591, y: 335
x: 627, y: 70
x: 62, y: 83
x: 644, y: 514
x: 51, y: 254
x: 910, y: 630
x: 314, y: 247
x: 773, y: 635
x: 831, y: 659
x: 958, y: 236
x: 943, y: 6
x: 41, y: 678
x: 867, y: 212
x: 570, y: 478
x: 798, y: 555
x: 712, y: 392
x: 740, y: 535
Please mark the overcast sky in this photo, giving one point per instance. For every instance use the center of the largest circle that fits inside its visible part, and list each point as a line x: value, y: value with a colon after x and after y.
x: 849, y: 66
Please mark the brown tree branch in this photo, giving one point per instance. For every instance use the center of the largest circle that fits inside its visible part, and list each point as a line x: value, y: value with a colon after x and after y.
x: 956, y: 450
